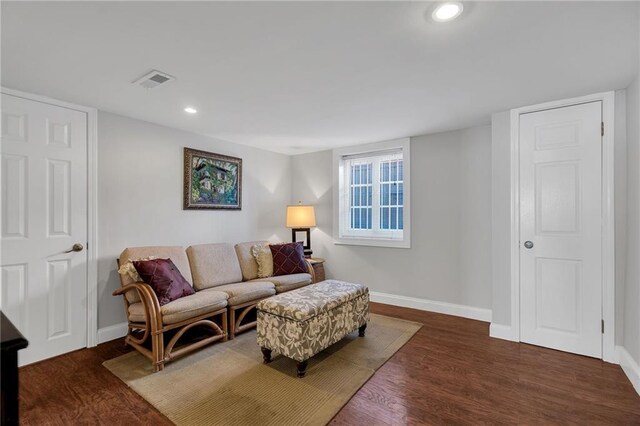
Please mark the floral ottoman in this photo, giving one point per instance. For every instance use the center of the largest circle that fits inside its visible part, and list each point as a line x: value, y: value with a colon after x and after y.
x: 300, y: 323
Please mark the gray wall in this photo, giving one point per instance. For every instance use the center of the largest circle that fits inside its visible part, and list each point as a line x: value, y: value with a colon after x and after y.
x: 501, y: 218
x: 140, y: 197
x: 450, y: 257
x: 632, y: 278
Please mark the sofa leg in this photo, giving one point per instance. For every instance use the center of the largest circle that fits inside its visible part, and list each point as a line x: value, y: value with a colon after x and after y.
x: 361, y: 330
x: 157, y: 348
x: 232, y: 323
x: 225, y: 327
x: 302, y: 368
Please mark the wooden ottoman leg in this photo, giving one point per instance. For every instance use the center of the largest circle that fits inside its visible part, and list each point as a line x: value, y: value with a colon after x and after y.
x: 266, y: 355
x: 361, y: 330
x: 302, y: 368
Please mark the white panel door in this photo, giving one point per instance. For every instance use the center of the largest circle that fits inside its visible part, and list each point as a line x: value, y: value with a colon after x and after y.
x: 561, y: 228
x: 44, y: 213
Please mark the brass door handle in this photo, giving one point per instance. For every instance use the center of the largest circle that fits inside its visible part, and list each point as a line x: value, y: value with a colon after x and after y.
x: 76, y: 247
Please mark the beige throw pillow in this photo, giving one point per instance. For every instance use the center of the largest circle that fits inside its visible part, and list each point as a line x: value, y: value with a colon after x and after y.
x: 262, y: 254
x: 129, y: 269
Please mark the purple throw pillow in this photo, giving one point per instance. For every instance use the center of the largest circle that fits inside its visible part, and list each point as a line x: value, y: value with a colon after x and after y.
x: 288, y: 259
x: 164, y: 278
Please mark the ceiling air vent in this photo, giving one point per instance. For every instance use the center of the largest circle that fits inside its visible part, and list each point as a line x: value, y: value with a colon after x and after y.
x: 153, y: 79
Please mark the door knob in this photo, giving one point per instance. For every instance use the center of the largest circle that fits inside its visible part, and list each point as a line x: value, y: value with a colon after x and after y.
x: 76, y: 247
x: 528, y: 244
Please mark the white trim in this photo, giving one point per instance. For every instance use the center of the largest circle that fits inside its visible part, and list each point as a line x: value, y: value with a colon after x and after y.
x: 405, y: 145
x: 92, y: 227
x: 463, y: 311
x: 371, y: 242
x: 608, y: 230
x: 515, y: 225
x: 629, y: 366
x: 500, y: 331
x: 608, y: 224
x: 92, y: 204
x: 112, y: 332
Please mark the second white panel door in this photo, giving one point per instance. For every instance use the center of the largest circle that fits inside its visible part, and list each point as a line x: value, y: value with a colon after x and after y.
x: 561, y: 228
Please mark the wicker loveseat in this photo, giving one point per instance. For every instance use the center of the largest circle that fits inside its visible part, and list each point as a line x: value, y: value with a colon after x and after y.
x: 227, y: 288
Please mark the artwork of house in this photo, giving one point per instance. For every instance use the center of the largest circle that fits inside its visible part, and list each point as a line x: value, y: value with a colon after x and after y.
x: 206, y: 178
x: 211, y: 181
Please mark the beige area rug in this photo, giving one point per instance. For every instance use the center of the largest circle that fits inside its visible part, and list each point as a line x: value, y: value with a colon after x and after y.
x: 227, y: 383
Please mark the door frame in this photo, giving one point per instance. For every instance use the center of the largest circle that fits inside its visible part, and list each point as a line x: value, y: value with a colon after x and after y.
x: 92, y: 203
x: 608, y: 224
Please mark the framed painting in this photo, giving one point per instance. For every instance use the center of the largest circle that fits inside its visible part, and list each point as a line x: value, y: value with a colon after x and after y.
x: 211, y: 181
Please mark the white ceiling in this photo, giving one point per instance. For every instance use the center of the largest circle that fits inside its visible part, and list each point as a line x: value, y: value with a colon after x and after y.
x: 298, y: 77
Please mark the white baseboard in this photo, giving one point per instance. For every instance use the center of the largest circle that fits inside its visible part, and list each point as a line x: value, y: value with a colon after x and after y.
x: 630, y: 367
x: 112, y: 332
x: 504, y: 332
x: 464, y: 311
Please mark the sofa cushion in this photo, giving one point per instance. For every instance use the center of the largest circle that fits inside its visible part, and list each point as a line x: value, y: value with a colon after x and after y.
x: 213, y: 265
x: 288, y: 282
x: 183, y: 308
x: 288, y: 259
x: 164, y: 278
x: 243, y: 292
x: 248, y: 263
x: 176, y: 253
x: 262, y: 254
x: 128, y: 269
x: 136, y: 312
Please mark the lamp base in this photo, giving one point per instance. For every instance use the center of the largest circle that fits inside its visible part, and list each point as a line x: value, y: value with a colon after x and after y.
x: 307, y: 245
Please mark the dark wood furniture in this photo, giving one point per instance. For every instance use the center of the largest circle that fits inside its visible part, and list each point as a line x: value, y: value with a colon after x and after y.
x: 317, y: 264
x: 11, y: 341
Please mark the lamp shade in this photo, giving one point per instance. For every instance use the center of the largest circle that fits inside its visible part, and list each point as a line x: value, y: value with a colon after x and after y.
x: 301, y: 216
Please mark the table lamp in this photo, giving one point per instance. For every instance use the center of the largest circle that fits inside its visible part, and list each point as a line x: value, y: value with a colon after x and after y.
x: 300, y: 219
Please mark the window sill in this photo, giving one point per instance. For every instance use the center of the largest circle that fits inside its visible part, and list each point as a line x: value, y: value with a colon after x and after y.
x: 372, y: 242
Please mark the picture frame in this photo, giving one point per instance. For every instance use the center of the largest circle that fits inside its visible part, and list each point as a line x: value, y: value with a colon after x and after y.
x: 211, y: 181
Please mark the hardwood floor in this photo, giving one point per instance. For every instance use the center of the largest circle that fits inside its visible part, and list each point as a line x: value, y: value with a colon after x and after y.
x: 450, y: 372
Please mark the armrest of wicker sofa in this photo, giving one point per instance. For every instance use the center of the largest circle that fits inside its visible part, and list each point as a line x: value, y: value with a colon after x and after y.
x: 310, y: 269
x: 152, y: 313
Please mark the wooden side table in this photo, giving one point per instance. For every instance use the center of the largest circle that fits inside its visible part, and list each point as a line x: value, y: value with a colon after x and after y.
x: 318, y: 268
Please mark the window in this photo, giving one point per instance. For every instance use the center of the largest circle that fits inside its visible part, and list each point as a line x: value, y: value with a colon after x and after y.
x: 391, y: 194
x: 372, y: 194
x: 360, y: 195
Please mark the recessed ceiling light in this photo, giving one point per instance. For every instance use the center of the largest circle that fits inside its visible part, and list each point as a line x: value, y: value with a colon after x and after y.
x: 190, y: 110
x: 447, y: 11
